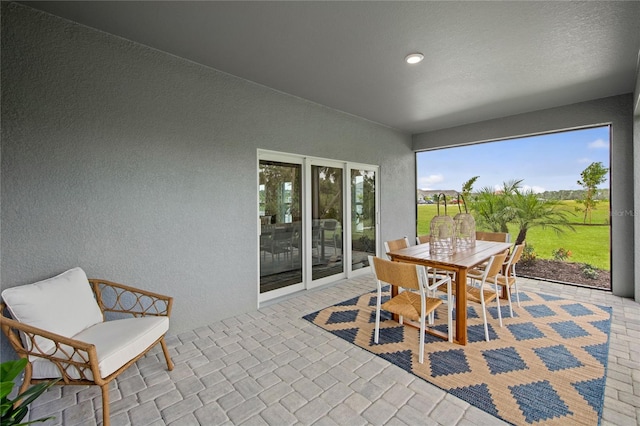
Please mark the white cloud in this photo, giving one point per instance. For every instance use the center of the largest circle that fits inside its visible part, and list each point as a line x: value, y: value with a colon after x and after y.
x: 583, y: 160
x: 427, y: 182
x: 599, y: 144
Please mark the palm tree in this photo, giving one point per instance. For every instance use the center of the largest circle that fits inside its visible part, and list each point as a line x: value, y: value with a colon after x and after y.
x: 530, y: 211
x: 493, y: 209
x: 489, y: 210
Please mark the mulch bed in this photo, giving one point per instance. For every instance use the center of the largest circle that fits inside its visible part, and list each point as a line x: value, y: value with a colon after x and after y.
x: 564, y: 272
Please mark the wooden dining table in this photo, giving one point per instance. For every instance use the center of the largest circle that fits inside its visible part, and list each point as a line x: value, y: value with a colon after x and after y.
x: 459, y: 262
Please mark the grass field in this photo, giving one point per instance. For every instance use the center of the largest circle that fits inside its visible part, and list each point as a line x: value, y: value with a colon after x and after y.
x: 588, y: 243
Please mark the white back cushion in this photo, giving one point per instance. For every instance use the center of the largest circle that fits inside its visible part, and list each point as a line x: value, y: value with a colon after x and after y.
x: 64, y: 305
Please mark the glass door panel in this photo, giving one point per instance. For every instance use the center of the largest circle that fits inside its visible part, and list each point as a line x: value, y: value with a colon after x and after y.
x: 280, y: 206
x: 363, y: 217
x: 327, y: 214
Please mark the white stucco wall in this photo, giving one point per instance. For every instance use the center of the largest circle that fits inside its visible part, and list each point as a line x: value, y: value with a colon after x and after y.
x: 140, y: 167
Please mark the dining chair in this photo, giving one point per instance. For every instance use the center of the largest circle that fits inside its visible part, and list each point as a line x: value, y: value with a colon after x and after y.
x: 316, y: 235
x: 413, y: 303
x: 281, y: 242
x: 266, y: 239
x: 509, y: 278
x: 422, y: 239
x: 483, y: 293
x: 331, y: 225
x: 499, y: 237
x: 398, y: 244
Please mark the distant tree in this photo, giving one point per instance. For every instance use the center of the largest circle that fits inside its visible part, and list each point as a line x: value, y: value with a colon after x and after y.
x: 467, y: 187
x: 592, y: 176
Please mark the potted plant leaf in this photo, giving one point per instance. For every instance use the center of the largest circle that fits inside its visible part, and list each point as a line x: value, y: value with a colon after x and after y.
x: 13, y: 411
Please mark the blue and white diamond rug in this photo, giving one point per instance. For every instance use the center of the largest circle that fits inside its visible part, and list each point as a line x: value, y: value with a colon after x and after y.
x: 546, y: 365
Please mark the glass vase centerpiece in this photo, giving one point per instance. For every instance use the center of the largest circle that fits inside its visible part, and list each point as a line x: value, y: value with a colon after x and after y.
x: 442, y: 232
x: 465, y: 227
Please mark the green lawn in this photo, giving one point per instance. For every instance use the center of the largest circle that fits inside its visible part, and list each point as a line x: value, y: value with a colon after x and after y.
x: 588, y: 244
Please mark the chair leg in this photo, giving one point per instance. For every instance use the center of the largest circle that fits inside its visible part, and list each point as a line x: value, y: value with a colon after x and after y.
x: 376, y: 334
x: 166, y: 354
x: 105, y: 404
x: 450, y: 303
x: 509, y: 300
x: 450, y: 319
x: 484, y: 317
x: 498, y: 303
x: 421, y: 350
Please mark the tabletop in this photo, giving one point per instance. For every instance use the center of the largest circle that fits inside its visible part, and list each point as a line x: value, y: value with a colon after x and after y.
x: 460, y: 259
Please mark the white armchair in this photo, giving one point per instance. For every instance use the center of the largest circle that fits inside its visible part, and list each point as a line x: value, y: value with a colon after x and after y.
x: 60, y: 325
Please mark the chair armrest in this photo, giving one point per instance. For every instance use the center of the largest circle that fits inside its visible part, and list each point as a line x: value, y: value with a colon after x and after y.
x: 436, y: 282
x: 120, y: 298
x: 68, y: 355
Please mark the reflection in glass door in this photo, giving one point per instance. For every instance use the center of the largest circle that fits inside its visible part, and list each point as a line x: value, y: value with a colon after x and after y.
x: 280, y: 199
x: 327, y: 214
x: 318, y: 221
x: 363, y: 217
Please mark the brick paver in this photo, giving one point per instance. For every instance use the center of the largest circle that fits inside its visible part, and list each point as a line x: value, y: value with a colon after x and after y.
x: 270, y: 367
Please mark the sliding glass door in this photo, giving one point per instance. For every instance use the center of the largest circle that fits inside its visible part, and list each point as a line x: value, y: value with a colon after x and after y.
x: 280, y: 209
x: 327, y: 217
x: 317, y: 221
x: 363, y: 217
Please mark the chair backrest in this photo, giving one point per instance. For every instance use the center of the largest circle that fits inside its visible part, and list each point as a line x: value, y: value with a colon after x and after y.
x: 422, y: 239
x: 398, y: 274
x: 517, y: 254
x: 494, y: 266
x: 64, y: 304
x: 282, y: 234
x: 500, y: 237
x: 398, y: 244
x: 514, y: 258
x: 267, y: 230
x: 265, y: 220
x: 330, y: 224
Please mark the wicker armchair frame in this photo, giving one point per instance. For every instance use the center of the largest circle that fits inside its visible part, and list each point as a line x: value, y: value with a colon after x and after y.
x: 80, y: 358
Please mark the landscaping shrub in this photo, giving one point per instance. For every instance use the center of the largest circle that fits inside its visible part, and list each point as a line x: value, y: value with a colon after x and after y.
x: 589, y: 271
x: 561, y: 254
x: 528, y: 255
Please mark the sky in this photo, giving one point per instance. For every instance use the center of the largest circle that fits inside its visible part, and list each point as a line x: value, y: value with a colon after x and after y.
x: 549, y: 162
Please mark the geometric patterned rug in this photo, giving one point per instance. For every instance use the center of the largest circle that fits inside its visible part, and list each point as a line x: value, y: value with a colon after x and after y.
x: 546, y: 365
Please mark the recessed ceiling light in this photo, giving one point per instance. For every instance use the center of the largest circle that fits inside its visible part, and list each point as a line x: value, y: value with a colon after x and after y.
x: 414, y: 58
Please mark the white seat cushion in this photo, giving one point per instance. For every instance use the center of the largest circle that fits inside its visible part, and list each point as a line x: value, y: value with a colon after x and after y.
x: 64, y: 305
x: 117, y: 342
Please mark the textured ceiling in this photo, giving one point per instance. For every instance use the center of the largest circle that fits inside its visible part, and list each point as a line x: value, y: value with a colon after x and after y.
x: 483, y: 60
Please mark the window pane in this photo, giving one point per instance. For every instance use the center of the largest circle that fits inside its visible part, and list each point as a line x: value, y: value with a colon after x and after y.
x: 327, y: 214
x: 280, y: 217
x: 363, y: 217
